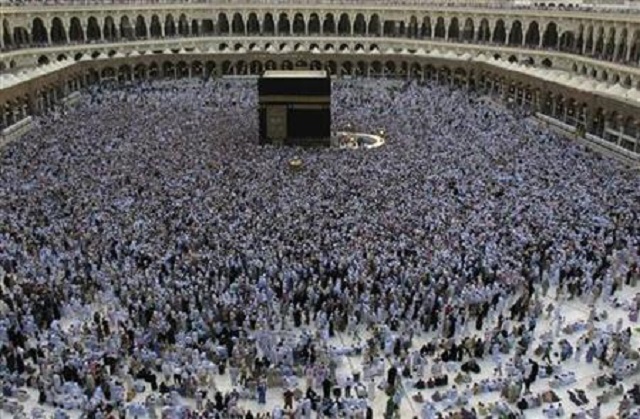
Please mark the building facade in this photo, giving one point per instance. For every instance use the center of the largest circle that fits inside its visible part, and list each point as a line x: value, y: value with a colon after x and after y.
x: 577, y: 65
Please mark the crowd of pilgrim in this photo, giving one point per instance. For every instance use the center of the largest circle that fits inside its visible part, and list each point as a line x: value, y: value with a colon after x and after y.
x: 156, y: 262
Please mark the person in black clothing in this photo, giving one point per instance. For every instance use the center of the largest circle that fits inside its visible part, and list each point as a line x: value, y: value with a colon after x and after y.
x: 326, y: 388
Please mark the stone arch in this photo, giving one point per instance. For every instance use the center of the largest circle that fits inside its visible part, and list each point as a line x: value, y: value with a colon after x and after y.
x: 255, y: 67
x: 182, y: 69
x: 269, y: 25
x: 532, y: 38
x: 108, y: 73
x: 183, y: 25
x: 629, y: 139
x: 444, y: 75
x: 611, y: 133
x: 287, y: 65
x: 515, y: 35
x: 43, y: 60
x: 547, y: 63
x: 20, y: 36
x: 346, y: 69
x: 170, y: 29
x: 375, y: 27
x: 154, y: 70
x: 615, y: 78
x: 109, y: 31
x: 550, y: 37
x: 78, y: 56
x: 389, y: 28
x: 559, y: 111
x: 623, y: 42
x: 567, y: 41
x: 360, y: 25
x: 390, y: 68
x: 237, y: 24
x: 344, y: 25
x: 512, y: 59
x: 140, y: 71
x: 155, y: 27
x: 468, y: 31
x: 168, y: 69
x: 58, y: 33
x: 284, y: 26
x: 124, y: 73
x: 329, y: 24
x: 440, y: 29
x: 93, y: 29
x: 499, y: 32
x: 415, y: 71
x: 196, y: 28
x: 331, y: 67
x: 413, y: 29
x: 314, y: 24
x: 208, y: 27
x: 253, y: 24
x: 484, y: 32
x: 375, y: 69
x: 588, y: 42
x: 223, y: 24
x: 210, y: 69
x: 38, y: 32
x: 634, y: 48
x: 126, y: 30
x: 315, y: 65
x: 459, y: 77
x: 299, y: 26
x: 454, y: 29
x: 599, y: 42
x: 361, y: 69
x: 610, y: 46
x: 141, y: 27
x: 76, y: 34
x: 579, y: 41
x: 425, y: 28
x: 6, y: 33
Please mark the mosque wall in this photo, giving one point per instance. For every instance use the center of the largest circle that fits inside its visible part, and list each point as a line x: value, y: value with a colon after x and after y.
x: 447, y: 44
x: 611, y: 37
x: 613, y: 120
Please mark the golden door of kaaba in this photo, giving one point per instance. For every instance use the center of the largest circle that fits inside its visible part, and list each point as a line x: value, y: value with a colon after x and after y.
x: 277, y: 123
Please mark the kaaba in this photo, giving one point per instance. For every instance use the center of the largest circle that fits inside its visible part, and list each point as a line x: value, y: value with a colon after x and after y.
x: 295, y: 108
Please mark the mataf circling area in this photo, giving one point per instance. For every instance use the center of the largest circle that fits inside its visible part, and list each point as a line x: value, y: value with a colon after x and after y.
x: 156, y: 262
